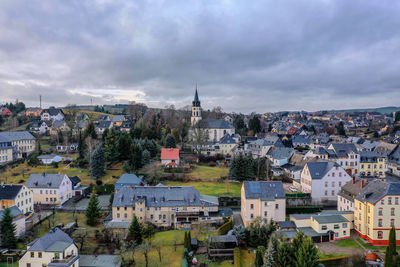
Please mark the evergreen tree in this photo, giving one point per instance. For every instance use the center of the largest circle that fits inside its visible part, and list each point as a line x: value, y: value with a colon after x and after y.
x: 185, y: 241
x: 93, y: 210
x: 81, y: 147
x: 285, y: 254
x: 39, y: 149
x: 135, y: 231
x: 307, y: 254
x: 7, y: 230
x: 269, y: 256
x: 136, y: 159
x: 391, y: 249
x: 170, y: 141
x: 259, y: 261
x: 110, y: 146
x: 97, y: 163
x: 124, y: 146
x: 190, y: 241
x: 60, y: 137
x: 91, y: 131
x: 255, y: 124
x: 145, y: 157
x: 340, y: 129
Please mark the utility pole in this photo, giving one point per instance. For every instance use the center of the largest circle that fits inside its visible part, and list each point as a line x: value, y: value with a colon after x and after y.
x: 40, y: 101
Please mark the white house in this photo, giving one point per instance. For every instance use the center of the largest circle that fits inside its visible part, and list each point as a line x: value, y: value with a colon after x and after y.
x: 50, y: 189
x: 16, y: 195
x: 323, y: 179
x: 49, y: 159
x: 52, y: 114
x: 170, y: 157
x: 55, y: 248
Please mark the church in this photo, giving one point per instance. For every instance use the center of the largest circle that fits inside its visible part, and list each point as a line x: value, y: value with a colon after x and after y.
x: 216, y: 129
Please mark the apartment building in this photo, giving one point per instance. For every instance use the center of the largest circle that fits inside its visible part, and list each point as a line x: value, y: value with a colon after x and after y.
x: 55, y: 248
x: 263, y: 199
x: 377, y: 210
x: 6, y: 150
x: 348, y: 192
x: 50, y: 189
x: 18, y: 220
x: 347, y: 156
x: 23, y: 143
x: 16, y: 195
x: 372, y: 164
x: 323, y: 179
x: 172, y: 206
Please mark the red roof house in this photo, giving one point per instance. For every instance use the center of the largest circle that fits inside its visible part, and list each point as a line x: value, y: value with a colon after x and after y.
x: 5, y: 111
x: 170, y: 155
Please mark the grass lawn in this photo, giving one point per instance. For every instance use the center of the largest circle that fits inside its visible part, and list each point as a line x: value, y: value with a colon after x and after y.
x: 330, y: 255
x: 381, y: 248
x: 212, y: 188
x: 247, y: 259
x: 347, y: 243
x: 15, y: 264
x: 20, y: 174
x: 208, y: 173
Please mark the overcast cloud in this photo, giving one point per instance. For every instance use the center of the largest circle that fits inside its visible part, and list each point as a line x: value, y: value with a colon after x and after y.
x: 245, y: 55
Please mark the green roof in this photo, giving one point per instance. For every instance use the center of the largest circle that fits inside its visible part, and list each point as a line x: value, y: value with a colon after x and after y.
x: 329, y: 218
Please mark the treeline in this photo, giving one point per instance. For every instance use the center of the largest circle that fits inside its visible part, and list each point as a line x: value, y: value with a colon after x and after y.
x: 246, y: 168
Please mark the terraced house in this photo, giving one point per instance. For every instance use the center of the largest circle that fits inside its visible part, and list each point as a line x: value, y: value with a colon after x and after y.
x: 377, y: 210
x: 16, y: 195
x: 372, y: 164
x: 172, y: 206
x: 22, y: 143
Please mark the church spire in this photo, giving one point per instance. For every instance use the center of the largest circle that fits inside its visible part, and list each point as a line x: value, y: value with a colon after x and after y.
x: 196, y: 101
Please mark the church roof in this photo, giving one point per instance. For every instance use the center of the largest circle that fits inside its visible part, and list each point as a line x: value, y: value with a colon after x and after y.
x: 196, y: 101
x: 215, y: 124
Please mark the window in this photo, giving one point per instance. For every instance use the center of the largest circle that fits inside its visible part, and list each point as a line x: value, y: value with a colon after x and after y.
x: 382, y: 202
x: 265, y: 204
x: 125, y: 215
x: 57, y: 255
x: 380, y: 235
x: 369, y: 221
x: 265, y: 214
x: 324, y: 227
x: 333, y: 174
x: 333, y: 183
x: 340, y: 184
x: 28, y: 265
x: 39, y: 254
x: 159, y: 216
x: 333, y: 192
x: 344, y: 225
x: 344, y: 233
x: 390, y: 201
x: 32, y: 254
x: 163, y: 217
x: 396, y: 201
x: 336, y: 235
x: 392, y: 211
x: 252, y: 216
x: 380, y: 222
x: 326, y: 192
x: 151, y: 216
x: 251, y: 206
x: 360, y: 206
x: 326, y: 184
x: 336, y: 226
x: 118, y: 215
x: 392, y: 222
x: 276, y: 206
x: 380, y: 212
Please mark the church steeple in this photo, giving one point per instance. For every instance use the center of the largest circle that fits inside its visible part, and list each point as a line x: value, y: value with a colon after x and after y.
x: 196, y: 109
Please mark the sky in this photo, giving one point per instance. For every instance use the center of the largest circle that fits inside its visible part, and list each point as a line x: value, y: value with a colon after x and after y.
x: 245, y: 56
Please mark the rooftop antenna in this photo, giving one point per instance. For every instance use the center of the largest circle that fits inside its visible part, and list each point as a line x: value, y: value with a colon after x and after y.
x: 40, y: 101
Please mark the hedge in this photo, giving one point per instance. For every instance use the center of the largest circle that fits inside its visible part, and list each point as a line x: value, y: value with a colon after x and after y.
x: 224, y: 229
x: 303, y: 209
x: 237, y: 257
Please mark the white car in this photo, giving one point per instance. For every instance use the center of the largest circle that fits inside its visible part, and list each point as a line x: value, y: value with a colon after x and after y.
x: 293, y: 189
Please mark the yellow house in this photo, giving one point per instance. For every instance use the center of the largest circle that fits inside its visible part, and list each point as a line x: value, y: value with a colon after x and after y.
x: 263, y: 199
x: 55, y: 248
x: 16, y: 195
x: 377, y: 210
x: 372, y: 164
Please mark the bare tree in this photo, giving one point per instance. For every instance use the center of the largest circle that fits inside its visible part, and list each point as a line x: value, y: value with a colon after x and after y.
x: 158, y: 246
x: 198, y: 138
x: 216, y: 113
x: 81, y: 237
x: 136, y: 110
x: 145, y: 248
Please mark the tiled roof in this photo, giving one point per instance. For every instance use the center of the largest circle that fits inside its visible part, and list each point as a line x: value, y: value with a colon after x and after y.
x: 46, y: 241
x: 319, y: 169
x: 118, y: 118
x: 129, y: 179
x: 104, y: 124
x: 377, y: 189
x: 8, y: 191
x: 227, y: 139
x: 45, y: 180
x: 267, y: 190
x: 160, y: 196
x: 170, y: 153
x: 329, y: 218
x: 53, y: 111
x: 16, y: 136
x: 343, y: 149
x: 281, y: 152
x: 215, y: 124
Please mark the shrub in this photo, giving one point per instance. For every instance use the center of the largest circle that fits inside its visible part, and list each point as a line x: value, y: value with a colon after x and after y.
x: 224, y: 229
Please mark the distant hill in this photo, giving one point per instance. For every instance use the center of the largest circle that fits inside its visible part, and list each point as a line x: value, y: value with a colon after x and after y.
x: 382, y: 110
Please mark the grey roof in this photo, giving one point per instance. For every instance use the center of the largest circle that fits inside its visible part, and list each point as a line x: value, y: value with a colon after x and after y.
x: 45, y: 180
x: 269, y: 140
x: 265, y: 190
x: 302, y: 216
x: 128, y: 179
x: 320, y: 218
x: 369, y: 156
x: 291, y: 167
x: 160, y: 196
x: 286, y: 224
x: 58, y: 123
x: 118, y: 118
x: 308, y: 231
x: 104, y: 124
x: 377, y: 189
x: 301, y: 139
x: 48, y: 156
x: 99, y: 260
x: 54, y: 239
x: 222, y: 239
x: 215, y: 124
x: 369, y: 144
x: 15, y: 136
x: 8, y: 191
x: 53, y: 111
x: 343, y: 149
x: 318, y: 169
x: 385, y: 148
x: 320, y: 151
x: 227, y: 139
x: 15, y: 211
x: 281, y: 152
x: 289, y: 234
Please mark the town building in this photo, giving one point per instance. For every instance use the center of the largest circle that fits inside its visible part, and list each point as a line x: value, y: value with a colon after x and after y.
x: 6, y: 150
x: 53, y: 249
x: 376, y: 211
x: 348, y: 192
x: 18, y: 220
x: 172, y: 207
x: 52, y: 114
x: 33, y: 112
x: 347, y: 156
x: 323, y: 180
x: 23, y: 143
x: 129, y: 180
x: 50, y: 189
x: 16, y: 195
x: 372, y: 164
x: 263, y: 199
x: 39, y: 126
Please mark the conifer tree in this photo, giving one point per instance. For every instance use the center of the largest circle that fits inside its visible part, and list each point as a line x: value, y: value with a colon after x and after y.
x: 185, y: 241
x: 81, y: 147
x: 190, y: 241
x: 135, y: 231
x: 7, y: 230
x: 97, y: 163
x: 93, y: 210
x: 285, y: 254
x: 91, y: 131
x: 269, y: 257
x: 307, y: 254
x: 391, y: 249
x: 259, y: 262
x: 145, y: 157
x: 136, y: 158
x: 170, y: 141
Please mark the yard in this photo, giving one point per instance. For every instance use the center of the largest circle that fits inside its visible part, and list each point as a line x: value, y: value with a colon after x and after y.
x: 201, y: 172
x: 212, y: 188
x: 347, y: 243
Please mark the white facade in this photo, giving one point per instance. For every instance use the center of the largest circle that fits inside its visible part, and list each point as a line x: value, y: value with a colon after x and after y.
x: 215, y: 134
x: 43, y: 258
x: 47, y: 117
x: 24, y: 200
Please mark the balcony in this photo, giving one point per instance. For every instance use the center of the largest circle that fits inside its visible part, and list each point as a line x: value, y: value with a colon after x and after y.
x: 188, y: 214
x: 67, y: 261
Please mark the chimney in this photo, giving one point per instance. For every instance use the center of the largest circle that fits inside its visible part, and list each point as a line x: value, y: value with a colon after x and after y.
x: 354, y: 180
x: 362, y: 183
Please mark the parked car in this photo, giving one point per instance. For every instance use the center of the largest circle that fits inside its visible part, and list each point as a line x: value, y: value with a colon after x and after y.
x: 293, y: 189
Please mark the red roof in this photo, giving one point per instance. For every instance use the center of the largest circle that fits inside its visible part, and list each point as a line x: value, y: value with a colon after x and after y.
x: 170, y: 153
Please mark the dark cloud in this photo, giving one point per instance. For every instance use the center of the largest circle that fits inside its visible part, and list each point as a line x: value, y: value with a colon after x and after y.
x: 245, y: 55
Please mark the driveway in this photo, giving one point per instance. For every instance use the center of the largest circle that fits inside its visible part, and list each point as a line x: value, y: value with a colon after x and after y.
x: 81, y: 205
x: 330, y: 248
